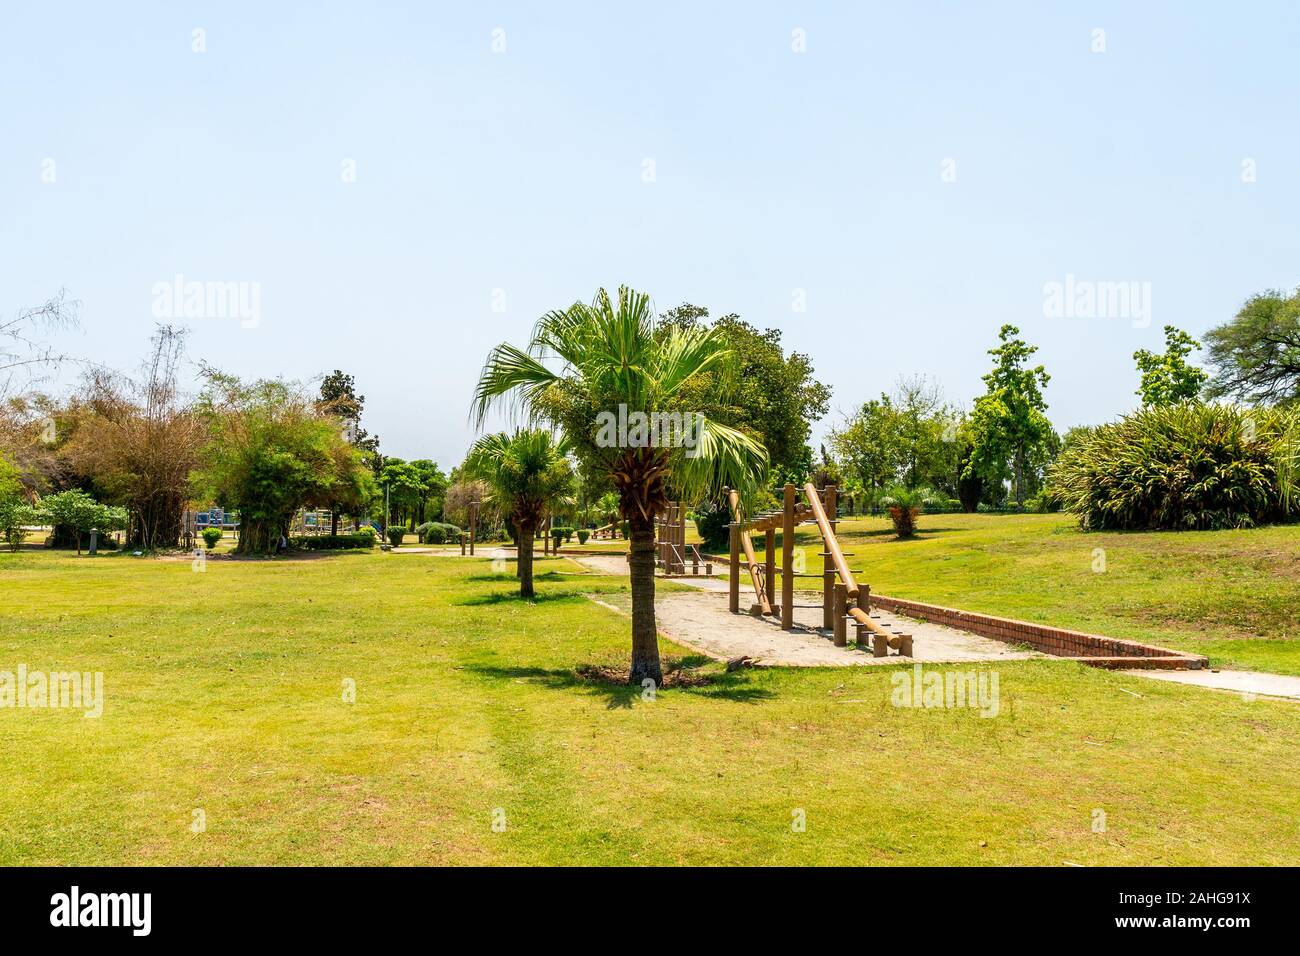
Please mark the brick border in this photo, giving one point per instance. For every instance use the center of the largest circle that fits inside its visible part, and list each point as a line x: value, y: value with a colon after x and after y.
x: 1091, y: 649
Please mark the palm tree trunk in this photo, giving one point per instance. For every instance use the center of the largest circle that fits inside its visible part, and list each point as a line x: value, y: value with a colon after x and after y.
x: 525, y: 560
x: 645, y: 634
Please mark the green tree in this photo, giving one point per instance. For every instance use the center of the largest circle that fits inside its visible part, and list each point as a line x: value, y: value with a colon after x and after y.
x: 80, y: 513
x: 868, y: 445
x: 412, y: 487
x: 908, y: 437
x: 1008, y: 423
x: 526, y: 472
x: 429, y: 504
x: 1167, y: 377
x: 611, y: 354
x: 15, y: 513
x: 1256, y: 356
x: 339, y: 399
x: 271, y: 452
x: 773, y: 396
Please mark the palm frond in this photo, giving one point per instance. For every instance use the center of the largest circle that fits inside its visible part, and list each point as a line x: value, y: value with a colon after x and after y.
x: 513, y: 374
x: 722, y: 456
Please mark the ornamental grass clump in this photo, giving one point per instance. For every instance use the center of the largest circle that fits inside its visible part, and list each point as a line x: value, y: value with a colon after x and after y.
x: 1186, y: 466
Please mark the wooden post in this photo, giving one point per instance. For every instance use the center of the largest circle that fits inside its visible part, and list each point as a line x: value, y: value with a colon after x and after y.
x: 769, y: 569
x: 733, y: 570
x: 840, y: 629
x: 828, y: 563
x: 473, y: 524
x: 864, y: 604
x: 681, y: 537
x: 462, y: 544
x: 675, y: 561
x: 787, y: 561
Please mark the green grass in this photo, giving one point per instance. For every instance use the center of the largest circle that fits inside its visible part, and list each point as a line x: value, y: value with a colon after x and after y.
x: 224, y: 693
x: 1233, y: 595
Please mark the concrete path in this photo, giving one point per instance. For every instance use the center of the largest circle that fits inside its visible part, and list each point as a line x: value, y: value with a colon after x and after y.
x: 701, y: 621
x: 1239, y: 682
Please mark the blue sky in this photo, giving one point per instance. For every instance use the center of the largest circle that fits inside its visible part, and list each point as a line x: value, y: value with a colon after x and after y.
x: 778, y: 176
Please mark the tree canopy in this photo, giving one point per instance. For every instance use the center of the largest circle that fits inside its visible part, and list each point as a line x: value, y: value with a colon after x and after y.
x: 761, y: 390
x: 1008, y: 424
x: 1167, y: 377
x: 270, y: 452
x: 1256, y: 356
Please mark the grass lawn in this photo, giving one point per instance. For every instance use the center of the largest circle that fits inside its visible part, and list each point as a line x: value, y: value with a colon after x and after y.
x: 224, y: 693
x: 1232, y: 595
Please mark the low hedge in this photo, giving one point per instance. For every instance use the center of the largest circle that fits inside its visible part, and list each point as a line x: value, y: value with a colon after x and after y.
x: 333, y: 542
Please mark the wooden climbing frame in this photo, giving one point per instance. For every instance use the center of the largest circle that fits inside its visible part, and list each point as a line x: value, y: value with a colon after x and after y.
x: 843, y: 599
x: 672, y: 554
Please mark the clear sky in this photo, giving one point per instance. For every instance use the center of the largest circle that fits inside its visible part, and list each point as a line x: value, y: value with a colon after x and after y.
x: 777, y: 177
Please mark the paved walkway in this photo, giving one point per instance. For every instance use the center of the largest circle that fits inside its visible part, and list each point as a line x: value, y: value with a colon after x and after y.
x: 1240, y: 682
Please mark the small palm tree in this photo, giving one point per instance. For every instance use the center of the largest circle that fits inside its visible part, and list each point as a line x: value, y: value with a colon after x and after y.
x: 614, y: 360
x: 526, y: 472
x: 904, y: 506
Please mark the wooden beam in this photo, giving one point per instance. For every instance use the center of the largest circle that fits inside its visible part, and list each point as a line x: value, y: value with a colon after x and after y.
x: 760, y: 591
x: 733, y: 571
x: 769, y: 558
x: 787, y: 560
x: 837, y: 610
x: 828, y: 535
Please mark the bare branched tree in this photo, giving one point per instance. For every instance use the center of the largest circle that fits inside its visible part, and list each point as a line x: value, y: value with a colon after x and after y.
x: 22, y: 348
x: 140, y: 439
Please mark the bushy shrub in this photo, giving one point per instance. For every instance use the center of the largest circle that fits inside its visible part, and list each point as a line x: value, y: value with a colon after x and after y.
x: 15, y: 517
x: 583, y: 535
x: 561, y: 534
x: 1044, y: 502
x: 711, y: 521
x: 211, y: 537
x: 439, y: 532
x: 365, y: 538
x: 1182, y: 466
x: 396, y: 534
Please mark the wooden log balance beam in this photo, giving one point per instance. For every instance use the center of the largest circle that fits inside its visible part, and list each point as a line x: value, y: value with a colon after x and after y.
x: 834, y: 552
x: 747, y: 545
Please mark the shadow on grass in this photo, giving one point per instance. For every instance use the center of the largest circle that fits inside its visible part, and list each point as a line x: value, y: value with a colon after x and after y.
x: 510, y: 576
x: 512, y: 597
x: 733, y: 687
x: 922, y: 532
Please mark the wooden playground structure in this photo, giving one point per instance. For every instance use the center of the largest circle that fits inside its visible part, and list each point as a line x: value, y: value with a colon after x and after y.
x: 672, y: 553
x: 843, y: 598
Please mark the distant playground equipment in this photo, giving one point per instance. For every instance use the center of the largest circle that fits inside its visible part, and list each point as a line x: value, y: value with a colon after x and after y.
x: 216, y: 518
x: 843, y: 598
x: 672, y: 553
x: 309, y: 522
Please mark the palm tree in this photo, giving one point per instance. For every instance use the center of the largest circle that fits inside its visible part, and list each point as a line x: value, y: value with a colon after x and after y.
x: 527, y: 472
x: 613, y: 360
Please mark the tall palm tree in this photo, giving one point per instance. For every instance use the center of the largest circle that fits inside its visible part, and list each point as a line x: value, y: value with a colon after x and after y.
x: 611, y: 358
x: 527, y: 472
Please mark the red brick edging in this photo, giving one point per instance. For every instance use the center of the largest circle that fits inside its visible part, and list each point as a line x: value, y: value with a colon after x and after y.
x: 1092, y: 649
